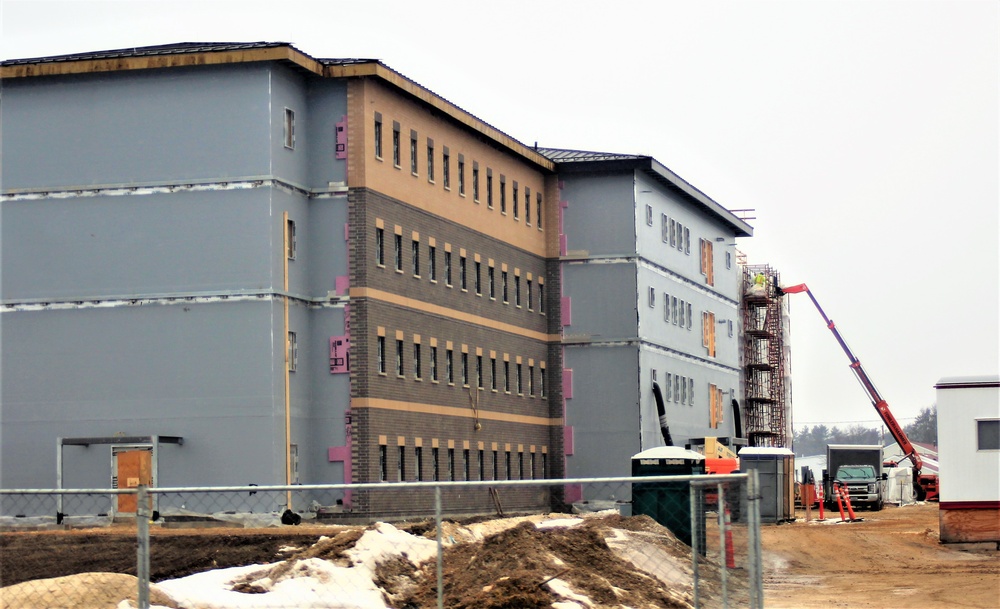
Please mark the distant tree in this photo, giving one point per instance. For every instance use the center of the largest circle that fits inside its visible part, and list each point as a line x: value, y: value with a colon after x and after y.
x: 924, y: 427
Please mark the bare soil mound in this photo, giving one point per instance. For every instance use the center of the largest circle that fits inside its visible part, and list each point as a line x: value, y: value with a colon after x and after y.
x: 82, y: 591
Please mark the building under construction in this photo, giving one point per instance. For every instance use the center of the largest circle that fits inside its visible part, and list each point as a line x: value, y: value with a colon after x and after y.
x: 767, y: 385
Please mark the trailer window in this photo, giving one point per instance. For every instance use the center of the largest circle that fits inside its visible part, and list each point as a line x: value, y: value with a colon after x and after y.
x: 988, y: 434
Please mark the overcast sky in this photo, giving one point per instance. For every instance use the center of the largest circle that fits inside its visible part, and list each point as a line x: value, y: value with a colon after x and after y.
x: 864, y: 134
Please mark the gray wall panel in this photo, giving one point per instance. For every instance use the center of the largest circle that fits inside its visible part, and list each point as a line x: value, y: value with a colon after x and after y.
x: 600, y: 216
x: 128, y: 245
x: 603, y: 300
x: 105, y: 129
x: 200, y: 371
x: 603, y: 411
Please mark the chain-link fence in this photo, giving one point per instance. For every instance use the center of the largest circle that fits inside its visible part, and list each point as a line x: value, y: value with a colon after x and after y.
x: 654, y: 541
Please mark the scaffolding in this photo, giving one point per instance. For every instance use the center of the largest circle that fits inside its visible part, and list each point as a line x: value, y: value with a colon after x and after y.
x: 763, y: 359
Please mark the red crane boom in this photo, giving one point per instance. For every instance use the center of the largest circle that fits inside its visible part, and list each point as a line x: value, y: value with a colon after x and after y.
x: 926, y: 485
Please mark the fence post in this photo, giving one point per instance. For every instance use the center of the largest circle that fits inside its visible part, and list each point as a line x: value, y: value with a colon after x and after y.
x: 142, y: 553
x: 720, y: 503
x: 440, y: 547
x: 754, y: 553
x: 694, y: 542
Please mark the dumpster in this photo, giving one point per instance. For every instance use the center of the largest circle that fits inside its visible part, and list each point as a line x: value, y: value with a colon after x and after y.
x: 668, y: 503
x: 776, y: 473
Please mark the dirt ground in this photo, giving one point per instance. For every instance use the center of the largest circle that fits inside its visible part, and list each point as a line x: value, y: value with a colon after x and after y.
x: 891, y: 559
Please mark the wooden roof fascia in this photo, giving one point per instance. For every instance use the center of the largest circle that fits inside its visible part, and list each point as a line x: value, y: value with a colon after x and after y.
x: 170, y: 60
x: 400, y: 82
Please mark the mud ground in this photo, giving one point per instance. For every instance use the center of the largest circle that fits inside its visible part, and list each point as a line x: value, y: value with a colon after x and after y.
x: 892, y: 558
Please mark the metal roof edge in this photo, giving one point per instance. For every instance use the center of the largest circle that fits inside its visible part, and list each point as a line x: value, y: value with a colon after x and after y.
x: 659, y: 169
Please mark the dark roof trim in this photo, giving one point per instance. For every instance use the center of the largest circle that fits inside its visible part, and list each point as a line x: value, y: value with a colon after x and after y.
x: 577, y: 161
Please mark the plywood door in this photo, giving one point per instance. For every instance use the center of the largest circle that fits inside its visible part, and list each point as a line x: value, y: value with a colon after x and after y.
x: 134, y: 468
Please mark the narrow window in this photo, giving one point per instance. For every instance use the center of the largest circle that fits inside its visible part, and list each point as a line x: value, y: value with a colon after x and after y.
x: 531, y: 380
x: 517, y: 291
x: 493, y: 373
x: 489, y: 188
x: 532, y: 457
x: 680, y: 237
x: 395, y: 145
x: 541, y: 298
x: 465, y: 369
x: 707, y: 261
x: 430, y: 160
x: 529, y: 295
x: 481, y: 463
x: 674, y: 307
x: 681, y: 310
x: 664, y: 228
x: 399, y: 358
x: 446, y: 168
x: 475, y: 182
x: 689, y: 316
x: 378, y: 135
x: 417, y: 374
x: 432, y: 262
x: 649, y: 215
x: 652, y: 297
x: 399, y: 252
x: 379, y: 246
x: 687, y: 241
x: 293, y: 352
x: 729, y: 323
x: 516, y: 206
x: 416, y: 258
x: 520, y: 465
x: 690, y: 392
x: 541, y: 381
x: 479, y: 371
x: 289, y: 128
x: 506, y: 376
x: 503, y: 194
x: 518, y: 380
x: 381, y: 354
x: 668, y: 382
x: 666, y: 307
x: 479, y: 279
x: 434, y: 363
x: 383, y: 467
x: 527, y: 206
x: 290, y: 239
x: 418, y: 458
x: 538, y: 210
x: 449, y: 367
x: 729, y: 260
x: 492, y: 282
x: 401, y: 464
x: 506, y: 464
x: 673, y: 233
x: 545, y: 464
x: 436, y: 465
x: 465, y: 464
x: 462, y: 279
x: 503, y: 287
x: 451, y: 464
x: 413, y: 152
x: 496, y: 467
x: 461, y: 175
x: 447, y: 268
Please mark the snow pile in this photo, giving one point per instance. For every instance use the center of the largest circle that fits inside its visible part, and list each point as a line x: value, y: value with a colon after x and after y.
x: 306, y: 583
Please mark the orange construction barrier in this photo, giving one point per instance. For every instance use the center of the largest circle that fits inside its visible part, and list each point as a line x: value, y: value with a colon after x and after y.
x: 730, y: 554
x: 822, y: 500
x: 840, y: 502
x: 847, y: 500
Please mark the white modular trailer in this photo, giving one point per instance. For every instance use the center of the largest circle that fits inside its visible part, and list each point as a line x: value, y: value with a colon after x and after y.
x: 969, y: 458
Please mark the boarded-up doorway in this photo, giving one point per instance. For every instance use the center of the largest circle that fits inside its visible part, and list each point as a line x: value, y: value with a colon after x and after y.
x: 132, y: 465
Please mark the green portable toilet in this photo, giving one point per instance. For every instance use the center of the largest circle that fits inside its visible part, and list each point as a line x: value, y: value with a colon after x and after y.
x: 668, y: 503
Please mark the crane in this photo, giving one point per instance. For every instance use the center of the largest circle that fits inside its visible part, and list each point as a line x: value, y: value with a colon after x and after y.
x: 925, y: 485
